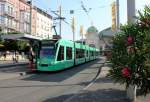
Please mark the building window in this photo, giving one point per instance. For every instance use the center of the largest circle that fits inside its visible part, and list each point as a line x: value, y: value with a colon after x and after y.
x: 2, y: 19
x: 11, y: 10
x: 2, y: 8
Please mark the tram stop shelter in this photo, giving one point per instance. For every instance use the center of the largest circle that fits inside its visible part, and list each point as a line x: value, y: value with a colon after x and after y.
x: 33, y: 40
x: 20, y: 36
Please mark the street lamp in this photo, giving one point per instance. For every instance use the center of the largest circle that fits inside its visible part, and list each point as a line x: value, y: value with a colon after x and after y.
x: 30, y: 2
x: 131, y: 11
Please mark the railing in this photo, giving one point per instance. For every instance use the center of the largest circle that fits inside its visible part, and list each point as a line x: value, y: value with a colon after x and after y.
x: 9, y: 14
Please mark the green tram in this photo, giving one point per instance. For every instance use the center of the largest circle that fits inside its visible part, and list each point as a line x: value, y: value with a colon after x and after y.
x: 55, y: 55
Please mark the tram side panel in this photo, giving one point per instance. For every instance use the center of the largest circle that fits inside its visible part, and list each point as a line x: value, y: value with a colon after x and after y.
x: 64, y: 56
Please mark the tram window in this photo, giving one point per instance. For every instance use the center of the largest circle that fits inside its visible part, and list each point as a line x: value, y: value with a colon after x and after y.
x: 68, y: 53
x: 60, y: 54
x: 80, y: 53
x: 77, y: 53
x: 87, y: 53
x: 92, y: 53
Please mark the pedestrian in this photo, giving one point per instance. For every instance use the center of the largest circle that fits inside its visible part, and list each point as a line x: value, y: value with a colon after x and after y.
x: 14, y: 58
x: 4, y: 55
x: 31, y: 58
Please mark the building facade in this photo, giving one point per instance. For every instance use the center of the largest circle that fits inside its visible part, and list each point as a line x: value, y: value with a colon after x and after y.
x: 15, y: 17
x: 106, y: 37
x: 43, y: 21
x: 92, y: 37
x: 9, y: 16
x: 24, y: 17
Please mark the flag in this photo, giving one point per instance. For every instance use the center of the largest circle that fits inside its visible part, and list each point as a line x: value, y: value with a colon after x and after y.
x: 113, y: 11
x: 81, y: 30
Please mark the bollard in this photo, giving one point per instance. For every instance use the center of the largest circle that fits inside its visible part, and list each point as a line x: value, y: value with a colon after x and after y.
x: 131, y: 92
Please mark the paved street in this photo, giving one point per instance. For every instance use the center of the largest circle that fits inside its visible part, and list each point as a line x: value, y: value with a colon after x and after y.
x: 102, y: 90
x: 73, y: 85
x: 44, y: 86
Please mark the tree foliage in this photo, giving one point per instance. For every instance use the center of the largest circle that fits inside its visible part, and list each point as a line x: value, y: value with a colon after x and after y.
x: 131, y: 54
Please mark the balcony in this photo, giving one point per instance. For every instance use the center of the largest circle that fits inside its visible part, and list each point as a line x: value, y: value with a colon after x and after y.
x: 16, y: 18
x: 3, y: 25
x: 6, y: 26
x: 11, y: 15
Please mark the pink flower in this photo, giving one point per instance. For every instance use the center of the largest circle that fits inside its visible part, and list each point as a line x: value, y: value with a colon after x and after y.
x: 130, y: 40
x: 125, y: 72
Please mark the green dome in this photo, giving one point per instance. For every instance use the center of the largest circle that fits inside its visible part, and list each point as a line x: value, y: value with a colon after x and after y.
x: 92, y: 29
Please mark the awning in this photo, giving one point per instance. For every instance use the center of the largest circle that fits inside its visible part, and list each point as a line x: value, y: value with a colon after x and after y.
x: 20, y: 36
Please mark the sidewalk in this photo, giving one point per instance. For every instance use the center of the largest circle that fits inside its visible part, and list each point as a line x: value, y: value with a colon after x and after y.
x: 9, y: 63
x: 104, y: 90
x: 4, y: 76
x: 7, y: 70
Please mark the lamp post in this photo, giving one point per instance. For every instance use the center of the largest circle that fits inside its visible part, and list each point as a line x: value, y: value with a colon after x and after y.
x: 117, y: 8
x: 60, y: 20
x: 30, y: 17
x: 73, y: 31
x: 131, y: 90
x: 131, y: 11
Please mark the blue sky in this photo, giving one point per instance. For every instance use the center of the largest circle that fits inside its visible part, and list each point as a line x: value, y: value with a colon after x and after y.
x: 100, y: 13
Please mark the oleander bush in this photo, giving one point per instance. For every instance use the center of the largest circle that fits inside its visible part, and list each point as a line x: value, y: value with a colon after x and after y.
x: 131, y: 54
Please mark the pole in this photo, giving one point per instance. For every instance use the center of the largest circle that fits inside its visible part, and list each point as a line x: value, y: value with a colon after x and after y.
x: 131, y: 90
x: 82, y: 39
x: 73, y: 28
x: 81, y: 33
x: 131, y: 11
x: 60, y: 20
x: 73, y: 31
x: 30, y: 17
x: 117, y: 8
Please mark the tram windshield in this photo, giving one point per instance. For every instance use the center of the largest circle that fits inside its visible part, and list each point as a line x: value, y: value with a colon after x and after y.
x: 48, y: 52
x: 48, y: 48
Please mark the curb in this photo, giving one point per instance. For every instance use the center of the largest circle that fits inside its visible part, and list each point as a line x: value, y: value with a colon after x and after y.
x: 26, y: 73
x: 13, y: 65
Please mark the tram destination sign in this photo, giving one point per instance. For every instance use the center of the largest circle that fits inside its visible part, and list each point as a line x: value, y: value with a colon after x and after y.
x: 48, y: 42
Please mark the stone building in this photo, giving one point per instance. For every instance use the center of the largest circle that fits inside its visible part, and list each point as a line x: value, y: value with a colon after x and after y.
x: 106, y: 37
x: 92, y: 37
x: 15, y: 17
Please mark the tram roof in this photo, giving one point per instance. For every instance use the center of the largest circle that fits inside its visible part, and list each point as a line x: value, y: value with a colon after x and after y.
x: 20, y: 36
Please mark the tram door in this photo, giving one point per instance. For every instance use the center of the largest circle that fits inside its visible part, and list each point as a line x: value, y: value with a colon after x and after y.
x: 36, y: 49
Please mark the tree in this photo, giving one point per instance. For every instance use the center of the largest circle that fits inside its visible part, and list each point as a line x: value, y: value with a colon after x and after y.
x: 131, y: 54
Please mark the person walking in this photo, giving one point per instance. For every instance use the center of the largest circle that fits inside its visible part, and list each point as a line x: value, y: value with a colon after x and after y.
x: 31, y: 59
